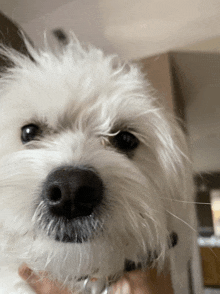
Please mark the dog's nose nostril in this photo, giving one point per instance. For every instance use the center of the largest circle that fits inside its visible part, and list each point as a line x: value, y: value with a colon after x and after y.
x: 86, y: 198
x: 73, y: 192
x: 54, y: 194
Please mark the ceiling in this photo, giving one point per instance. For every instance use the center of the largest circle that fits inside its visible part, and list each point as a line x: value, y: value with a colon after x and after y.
x: 133, y: 29
x: 24, y: 11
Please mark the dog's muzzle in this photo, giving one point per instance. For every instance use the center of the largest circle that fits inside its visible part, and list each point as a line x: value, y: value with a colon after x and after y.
x: 72, y: 197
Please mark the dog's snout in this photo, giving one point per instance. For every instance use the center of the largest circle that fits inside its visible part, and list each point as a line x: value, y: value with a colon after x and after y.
x: 73, y: 192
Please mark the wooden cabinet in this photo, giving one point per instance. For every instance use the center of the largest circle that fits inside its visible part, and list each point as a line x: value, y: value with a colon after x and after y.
x: 211, y: 265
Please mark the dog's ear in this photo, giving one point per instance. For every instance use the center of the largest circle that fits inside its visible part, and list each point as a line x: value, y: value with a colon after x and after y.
x: 61, y: 36
x: 11, y: 35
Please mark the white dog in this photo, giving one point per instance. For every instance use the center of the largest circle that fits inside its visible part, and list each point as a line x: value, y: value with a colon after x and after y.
x: 94, y: 173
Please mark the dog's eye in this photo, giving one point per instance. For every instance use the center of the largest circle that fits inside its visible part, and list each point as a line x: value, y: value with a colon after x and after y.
x: 125, y: 141
x: 29, y: 133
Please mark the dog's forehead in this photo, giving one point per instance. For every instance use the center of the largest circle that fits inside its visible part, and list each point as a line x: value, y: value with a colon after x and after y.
x: 60, y: 91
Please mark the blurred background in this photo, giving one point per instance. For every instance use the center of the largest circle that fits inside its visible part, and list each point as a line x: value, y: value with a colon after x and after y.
x: 132, y: 28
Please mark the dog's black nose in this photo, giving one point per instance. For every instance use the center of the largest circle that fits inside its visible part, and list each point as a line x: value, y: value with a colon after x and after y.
x: 73, y: 192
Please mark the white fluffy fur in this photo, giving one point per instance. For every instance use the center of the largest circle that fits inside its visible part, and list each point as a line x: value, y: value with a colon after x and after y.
x: 81, y: 96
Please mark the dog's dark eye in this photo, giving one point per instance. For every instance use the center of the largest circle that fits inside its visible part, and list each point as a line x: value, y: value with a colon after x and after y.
x: 125, y: 141
x: 29, y: 133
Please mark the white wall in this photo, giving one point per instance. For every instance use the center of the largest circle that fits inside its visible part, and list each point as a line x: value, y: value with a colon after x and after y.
x: 203, y: 122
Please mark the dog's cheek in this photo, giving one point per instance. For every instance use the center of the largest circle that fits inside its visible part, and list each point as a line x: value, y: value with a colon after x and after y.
x: 18, y: 192
x: 17, y: 210
x: 131, y: 203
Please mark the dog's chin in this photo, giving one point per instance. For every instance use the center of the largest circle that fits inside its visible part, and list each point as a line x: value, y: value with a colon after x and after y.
x: 78, y: 230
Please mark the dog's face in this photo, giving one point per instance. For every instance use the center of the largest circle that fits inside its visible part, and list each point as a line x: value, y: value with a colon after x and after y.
x: 88, y: 163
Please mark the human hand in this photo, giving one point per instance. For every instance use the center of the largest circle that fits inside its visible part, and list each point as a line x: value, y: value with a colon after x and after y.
x: 144, y: 282
x: 41, y: 283
x: 135, y: 282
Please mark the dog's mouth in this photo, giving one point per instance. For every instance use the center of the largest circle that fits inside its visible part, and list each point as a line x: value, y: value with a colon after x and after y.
x: 77, y: 230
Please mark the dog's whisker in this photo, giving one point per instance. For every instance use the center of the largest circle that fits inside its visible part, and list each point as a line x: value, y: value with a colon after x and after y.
x: 187, y: 202
x: 37, y: 213
x: 183, y: 221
